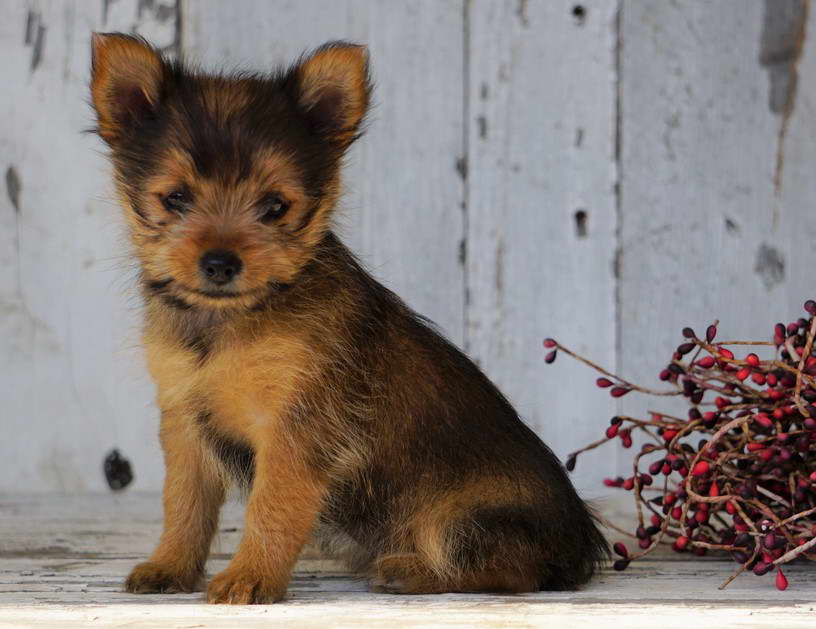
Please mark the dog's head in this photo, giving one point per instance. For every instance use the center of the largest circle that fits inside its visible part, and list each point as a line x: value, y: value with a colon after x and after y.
x: 228, y: 182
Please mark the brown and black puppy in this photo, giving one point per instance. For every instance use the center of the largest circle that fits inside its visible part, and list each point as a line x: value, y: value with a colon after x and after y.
x: 282, y: 364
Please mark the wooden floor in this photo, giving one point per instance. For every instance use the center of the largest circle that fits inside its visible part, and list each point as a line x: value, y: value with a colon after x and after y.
x: 63, y: 559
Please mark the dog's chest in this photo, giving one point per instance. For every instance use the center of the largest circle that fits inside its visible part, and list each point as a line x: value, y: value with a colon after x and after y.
x: 244, y: 386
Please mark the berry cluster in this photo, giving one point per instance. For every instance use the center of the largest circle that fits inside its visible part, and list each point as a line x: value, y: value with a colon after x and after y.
x: 738, y: 475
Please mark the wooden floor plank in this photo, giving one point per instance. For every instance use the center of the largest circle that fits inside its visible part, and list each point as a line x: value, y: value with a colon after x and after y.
x: 63, y: 560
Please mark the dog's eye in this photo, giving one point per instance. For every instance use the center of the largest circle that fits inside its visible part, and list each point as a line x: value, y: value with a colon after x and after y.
x: 177, y: 201
x: 272, y: 208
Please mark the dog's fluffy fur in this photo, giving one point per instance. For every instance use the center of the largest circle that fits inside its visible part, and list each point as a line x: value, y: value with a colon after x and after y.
x: 340, y: 409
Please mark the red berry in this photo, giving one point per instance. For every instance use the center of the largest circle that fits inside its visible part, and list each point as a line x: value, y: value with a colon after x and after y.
x: 668, y: 435
x: 721, y: 402
x: 619, y: 391
x: 549, y: 343
x: 628, y: 483
x: 620, y: 549
x: 682, y: 542
x: 810, y: 307
x: 689, y: 333
x: 711, y: 332
x: 752, y: 359
x: 701, y: 468
x: 763, y: 420
x: 730, y: 508
x: 612, y: 431
x: 726, y: 353
x: 771, y: 379
x: 761, y: 568
x: 604, y: 383
x: 758, y: 378
x: 677, y: 513
x: 743, y: 373
x: 781, y: 581
x: 706, y: 362
x: 550, y: 357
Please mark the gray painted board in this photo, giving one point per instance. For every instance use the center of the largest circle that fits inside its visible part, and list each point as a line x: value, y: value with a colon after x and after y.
x: 489, y: 192
x: 705, y: 231
x: 541, y: 209
x: 72, y: 386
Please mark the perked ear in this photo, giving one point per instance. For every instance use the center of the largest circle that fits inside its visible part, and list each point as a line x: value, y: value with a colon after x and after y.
x: 334, y: 89
x: 126, y: 76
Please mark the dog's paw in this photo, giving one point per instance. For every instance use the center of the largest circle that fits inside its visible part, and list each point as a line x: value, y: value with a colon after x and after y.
x: 151, y: 577
x: 234, y: 587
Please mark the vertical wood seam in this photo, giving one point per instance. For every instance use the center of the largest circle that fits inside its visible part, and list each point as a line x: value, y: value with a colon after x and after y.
x: 465, y: 242
x: 177, y: 37
x: 618, y: 185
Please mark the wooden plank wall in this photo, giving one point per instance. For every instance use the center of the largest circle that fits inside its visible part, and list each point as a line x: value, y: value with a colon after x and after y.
x: 602, y: 171
x: 717, y: 145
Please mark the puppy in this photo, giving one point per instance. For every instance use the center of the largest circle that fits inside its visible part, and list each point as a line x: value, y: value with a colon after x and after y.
x: 281, y: 364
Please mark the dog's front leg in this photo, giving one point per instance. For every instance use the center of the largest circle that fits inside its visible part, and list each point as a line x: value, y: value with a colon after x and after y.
x: 283, y: 506
x: 193, y: 495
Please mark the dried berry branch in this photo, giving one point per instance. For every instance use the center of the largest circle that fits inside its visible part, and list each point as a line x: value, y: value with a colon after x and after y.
x: 748, y: 486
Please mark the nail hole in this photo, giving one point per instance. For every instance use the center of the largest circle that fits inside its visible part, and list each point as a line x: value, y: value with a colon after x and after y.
x: 581, y: 223
x: 579, y: 13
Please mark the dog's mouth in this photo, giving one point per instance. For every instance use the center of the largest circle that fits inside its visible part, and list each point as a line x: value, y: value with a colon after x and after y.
x: 172, y: 290
x: 216, y: 294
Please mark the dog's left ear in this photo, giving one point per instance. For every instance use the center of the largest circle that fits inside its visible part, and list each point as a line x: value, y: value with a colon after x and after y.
x: 333, y: 89
x: 126, y: 76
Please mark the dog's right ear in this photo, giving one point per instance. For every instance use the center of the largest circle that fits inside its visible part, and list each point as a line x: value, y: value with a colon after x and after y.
x: 126, y: 77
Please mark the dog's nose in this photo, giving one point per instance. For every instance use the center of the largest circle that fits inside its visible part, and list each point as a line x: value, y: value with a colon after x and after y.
x: 220, y: 266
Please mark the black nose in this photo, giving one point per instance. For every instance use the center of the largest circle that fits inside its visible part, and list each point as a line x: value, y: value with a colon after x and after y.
x: 220, y: 266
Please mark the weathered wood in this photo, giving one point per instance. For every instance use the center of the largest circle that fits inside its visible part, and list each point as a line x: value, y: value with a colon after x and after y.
x: 541, y: 211
x: 796, y: 186
x: 706, y: 231
x: 63, y: 560
x: 712, y: 219
x: 403, y: 211
x: 72, y: 387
